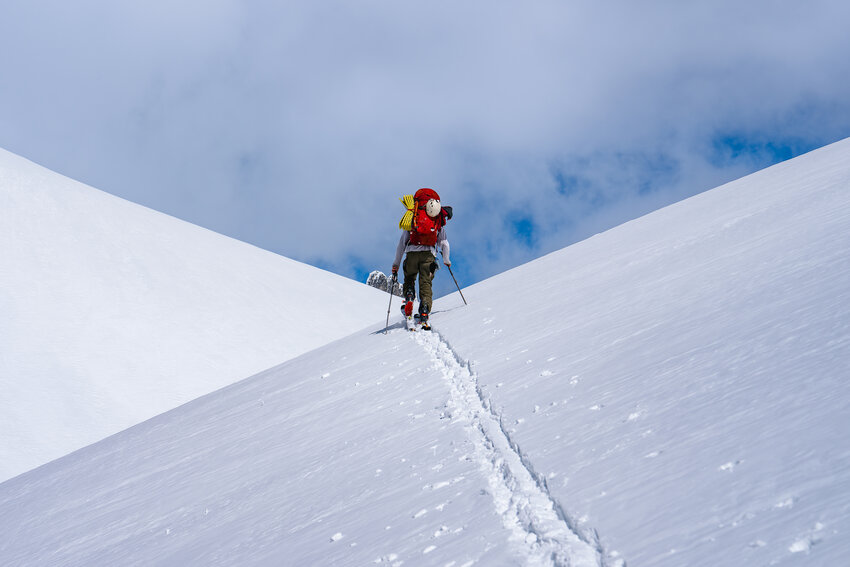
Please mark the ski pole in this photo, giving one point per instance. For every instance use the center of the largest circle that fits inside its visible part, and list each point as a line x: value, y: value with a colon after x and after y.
x: 458, y: 287
x: 391, y: 289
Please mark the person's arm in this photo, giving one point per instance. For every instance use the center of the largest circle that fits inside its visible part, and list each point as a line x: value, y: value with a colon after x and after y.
x: 445, y: 249
x: 399, y: 250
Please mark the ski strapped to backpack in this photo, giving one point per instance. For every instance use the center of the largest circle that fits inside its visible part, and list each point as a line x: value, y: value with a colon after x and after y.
x: 424, y: 216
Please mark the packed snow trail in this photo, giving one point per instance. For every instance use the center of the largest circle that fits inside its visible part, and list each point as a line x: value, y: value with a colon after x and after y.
x: 540, y: 529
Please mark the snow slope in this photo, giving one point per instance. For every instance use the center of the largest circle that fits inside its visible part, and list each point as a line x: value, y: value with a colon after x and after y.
x: 113, y: 313
x: 352, y: 454
x: 683, y: 381
x: 671, y: 392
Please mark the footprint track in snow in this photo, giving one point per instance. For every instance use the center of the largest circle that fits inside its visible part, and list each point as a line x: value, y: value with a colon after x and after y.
x: 539, y: 528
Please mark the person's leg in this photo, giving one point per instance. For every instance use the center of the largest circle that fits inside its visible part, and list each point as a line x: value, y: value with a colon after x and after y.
x: 410, y: 269
x: 425, y: 278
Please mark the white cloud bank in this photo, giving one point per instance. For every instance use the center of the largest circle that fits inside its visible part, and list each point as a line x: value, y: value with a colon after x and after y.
x: 296, y: 125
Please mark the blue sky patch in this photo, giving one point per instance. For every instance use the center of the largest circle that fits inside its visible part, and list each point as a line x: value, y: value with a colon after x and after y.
x: 521, y: 228
x: 729, y: 149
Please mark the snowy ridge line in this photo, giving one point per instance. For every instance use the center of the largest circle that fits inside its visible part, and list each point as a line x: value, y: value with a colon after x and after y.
x: 539, y: 527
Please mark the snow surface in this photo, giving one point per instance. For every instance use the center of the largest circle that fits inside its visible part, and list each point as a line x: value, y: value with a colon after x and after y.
x: 672, y: 392
x: 683, y: 381
x: 111, y: 313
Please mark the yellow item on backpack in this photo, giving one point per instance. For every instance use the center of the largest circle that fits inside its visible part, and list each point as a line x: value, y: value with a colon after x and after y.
x: 406, y: 222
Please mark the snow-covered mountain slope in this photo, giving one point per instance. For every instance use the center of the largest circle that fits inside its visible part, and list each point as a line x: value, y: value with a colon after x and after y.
x: 671, y: 392
x: 683, y: 381
x: 348, y: 455
x: 111, y: 313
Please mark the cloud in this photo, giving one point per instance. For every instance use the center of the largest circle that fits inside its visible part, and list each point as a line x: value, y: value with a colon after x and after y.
x: 296, y: 126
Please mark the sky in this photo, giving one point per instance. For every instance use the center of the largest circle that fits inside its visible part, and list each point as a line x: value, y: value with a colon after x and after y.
x: 297, y: 125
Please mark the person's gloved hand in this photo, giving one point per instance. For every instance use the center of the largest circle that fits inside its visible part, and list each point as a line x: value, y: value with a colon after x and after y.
x: 395, y: 270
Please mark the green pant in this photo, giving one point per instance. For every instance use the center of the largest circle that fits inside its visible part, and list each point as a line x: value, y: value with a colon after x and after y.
x: 423, y: 263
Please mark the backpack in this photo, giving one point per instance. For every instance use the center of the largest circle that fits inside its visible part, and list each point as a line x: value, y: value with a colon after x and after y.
x: 423, y: 228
